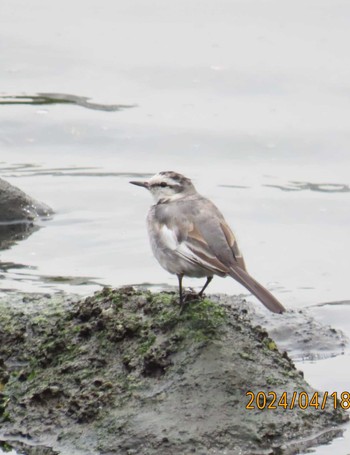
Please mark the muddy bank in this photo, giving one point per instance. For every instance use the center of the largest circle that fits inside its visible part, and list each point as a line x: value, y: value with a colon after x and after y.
x: 123, y: 372
x: 18, y: 211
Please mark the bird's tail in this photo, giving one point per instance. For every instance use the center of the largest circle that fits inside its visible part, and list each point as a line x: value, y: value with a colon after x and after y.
x: 257, y: 289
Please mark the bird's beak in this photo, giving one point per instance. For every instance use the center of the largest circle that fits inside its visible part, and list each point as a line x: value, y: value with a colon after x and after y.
x: 138, y: 183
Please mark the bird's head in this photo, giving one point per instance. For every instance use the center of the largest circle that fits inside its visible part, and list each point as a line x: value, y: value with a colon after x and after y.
x: 167, y: 186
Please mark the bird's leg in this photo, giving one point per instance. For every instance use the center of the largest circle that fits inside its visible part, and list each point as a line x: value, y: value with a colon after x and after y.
x: 209, y: 278
x: 179, y: 277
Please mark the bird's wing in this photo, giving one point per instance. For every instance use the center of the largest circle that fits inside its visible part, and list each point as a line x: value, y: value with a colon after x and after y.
x: 198, y: 233
x: 187, y: 244
x: 232, y: 242
x: 215, y: 232
x: 196, y: 244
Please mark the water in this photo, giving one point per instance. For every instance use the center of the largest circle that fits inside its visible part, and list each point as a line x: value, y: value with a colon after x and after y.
x: 250, y: 99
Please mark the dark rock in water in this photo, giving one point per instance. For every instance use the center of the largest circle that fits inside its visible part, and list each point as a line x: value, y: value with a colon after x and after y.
x: 123, y: 372
x: 16, y: 206
x: 17, y: 214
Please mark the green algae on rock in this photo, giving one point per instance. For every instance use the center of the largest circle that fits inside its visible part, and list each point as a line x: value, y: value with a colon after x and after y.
x: 125, y: 372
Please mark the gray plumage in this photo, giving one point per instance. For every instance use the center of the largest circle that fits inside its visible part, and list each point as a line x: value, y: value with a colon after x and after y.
x: 190, y: 237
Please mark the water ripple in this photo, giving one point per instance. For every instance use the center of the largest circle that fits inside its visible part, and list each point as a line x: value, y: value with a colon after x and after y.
x: 26, y: 170
x: 61, y: 98
x: 319, y: 187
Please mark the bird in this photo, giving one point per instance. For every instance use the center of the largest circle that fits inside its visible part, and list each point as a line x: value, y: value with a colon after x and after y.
x: 190, y: 237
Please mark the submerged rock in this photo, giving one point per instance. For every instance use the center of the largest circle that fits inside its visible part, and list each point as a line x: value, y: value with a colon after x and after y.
x: 123, y: 372
x: 17, y: 214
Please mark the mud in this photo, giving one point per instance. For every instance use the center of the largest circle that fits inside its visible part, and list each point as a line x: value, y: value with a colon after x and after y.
x: 296, y: 331
x: 18, y: 213
x: 123, y: 372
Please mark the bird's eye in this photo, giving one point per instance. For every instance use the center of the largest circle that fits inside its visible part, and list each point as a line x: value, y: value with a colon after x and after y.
x: 163, y: 185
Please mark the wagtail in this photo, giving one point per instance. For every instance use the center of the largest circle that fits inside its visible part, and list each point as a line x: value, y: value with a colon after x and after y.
x: 190, y: 237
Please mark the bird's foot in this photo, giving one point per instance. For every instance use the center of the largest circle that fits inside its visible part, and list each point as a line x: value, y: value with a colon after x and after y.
x: 188, y: 297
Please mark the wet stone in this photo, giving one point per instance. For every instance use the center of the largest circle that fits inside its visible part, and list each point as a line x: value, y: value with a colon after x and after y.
x: 18, y: 213
x: 123, y: 370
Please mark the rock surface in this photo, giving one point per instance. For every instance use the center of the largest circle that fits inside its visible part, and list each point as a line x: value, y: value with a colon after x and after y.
x: 17, y: 214
x: 123, y: 372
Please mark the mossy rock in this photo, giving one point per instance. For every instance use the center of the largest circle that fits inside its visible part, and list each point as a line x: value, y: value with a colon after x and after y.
x: 126, y: 371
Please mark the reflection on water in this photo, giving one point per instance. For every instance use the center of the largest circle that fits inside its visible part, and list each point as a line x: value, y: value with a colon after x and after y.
x: 61, y: 98
x: 10, y: 233
x: 21, y: 273
x: 76, y: 172
x: 342, y: 302
x: 30, y: 170
x: 234, y: 186
x: 321, y: 187
x: 20, y: 167
x: 71, y: 280
x: 6, y: 266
